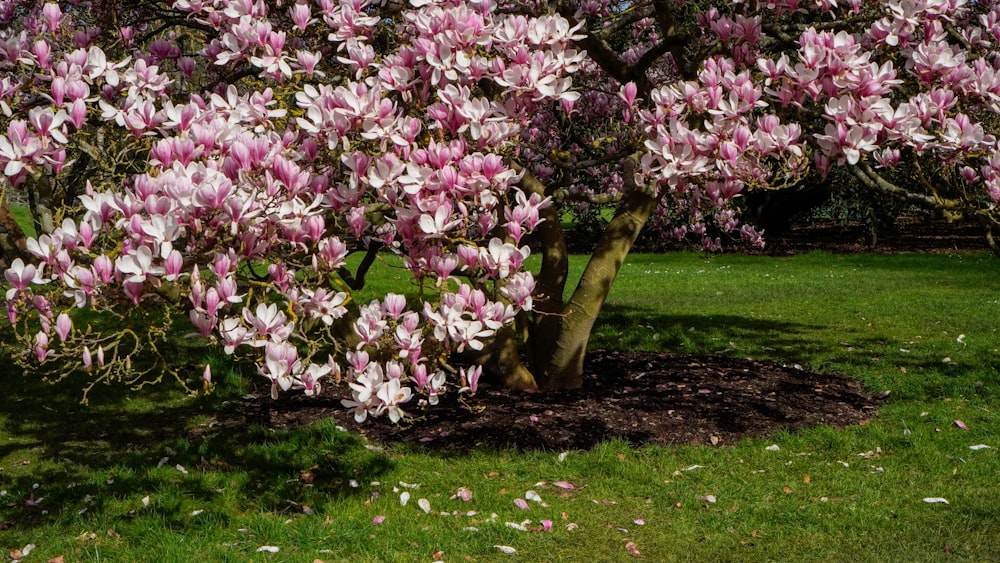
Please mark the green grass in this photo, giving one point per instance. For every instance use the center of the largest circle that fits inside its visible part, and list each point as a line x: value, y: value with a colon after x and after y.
x: 111, y: 489
x: 22, y: 214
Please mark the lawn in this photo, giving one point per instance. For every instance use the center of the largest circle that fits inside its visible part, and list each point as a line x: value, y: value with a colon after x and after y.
x: 156, y: 476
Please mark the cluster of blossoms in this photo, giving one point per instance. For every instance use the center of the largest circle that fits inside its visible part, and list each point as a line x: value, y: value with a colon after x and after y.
x: 299, y: 134
x: 250, y: 208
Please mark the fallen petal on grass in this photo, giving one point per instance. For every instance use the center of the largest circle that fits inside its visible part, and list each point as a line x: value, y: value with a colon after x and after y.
x: 506, y: 549
x: 268, y: 549
x: 521, y: 503
x: 564, y: 485
x: 708, y: 498
x: 773, y: 448
x: 404, y: 497
x: 532, y: 496
x: 424, y: 505
x: 630, y: 546
x: 961, y: 425
x: 378, y: 520
x: 936, y: 500
x: 639, y: 521
x: 979, y: 447
x: 18, y: 554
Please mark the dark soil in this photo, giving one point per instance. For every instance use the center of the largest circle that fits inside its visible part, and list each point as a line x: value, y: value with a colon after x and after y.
x: 642, y: 397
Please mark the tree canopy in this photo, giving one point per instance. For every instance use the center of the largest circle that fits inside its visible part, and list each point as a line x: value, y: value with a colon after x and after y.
x: 217, y: 161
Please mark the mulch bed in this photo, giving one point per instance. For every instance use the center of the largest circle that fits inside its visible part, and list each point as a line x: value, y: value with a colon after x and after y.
x: 640, y: 397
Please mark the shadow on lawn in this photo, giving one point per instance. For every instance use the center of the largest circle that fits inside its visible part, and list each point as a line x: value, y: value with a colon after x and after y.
x: 958, y: 371
x: 130, y: 443
x: 627, y: 327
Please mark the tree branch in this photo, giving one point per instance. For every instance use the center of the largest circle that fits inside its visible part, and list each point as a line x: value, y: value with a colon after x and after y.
x: 948, y: 208
x: 357, y: 281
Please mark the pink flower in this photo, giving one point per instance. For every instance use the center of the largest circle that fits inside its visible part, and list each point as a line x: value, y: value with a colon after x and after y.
x: 21, y: 276
x: 63, y: 326
x: 51, y: 14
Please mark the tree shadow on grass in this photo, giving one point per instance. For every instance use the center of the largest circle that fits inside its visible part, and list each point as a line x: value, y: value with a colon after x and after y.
x: 628, y: 328
x: 89, y: 458
x: 918, y: 372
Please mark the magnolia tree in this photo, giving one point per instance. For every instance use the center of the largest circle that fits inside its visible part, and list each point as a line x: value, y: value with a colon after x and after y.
x: 229, y: 155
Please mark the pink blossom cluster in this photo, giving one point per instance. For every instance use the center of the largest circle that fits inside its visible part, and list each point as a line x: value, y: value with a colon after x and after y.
x: 302, y: 132
x: 250, y: 207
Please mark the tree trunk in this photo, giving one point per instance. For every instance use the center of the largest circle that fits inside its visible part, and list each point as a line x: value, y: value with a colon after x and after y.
x: 558, y: 332
x: 544, y: 326
x: 565, y: 365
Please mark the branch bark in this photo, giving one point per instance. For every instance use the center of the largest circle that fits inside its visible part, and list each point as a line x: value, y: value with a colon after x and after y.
x: 565, y: 368
x: 949, y: 209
